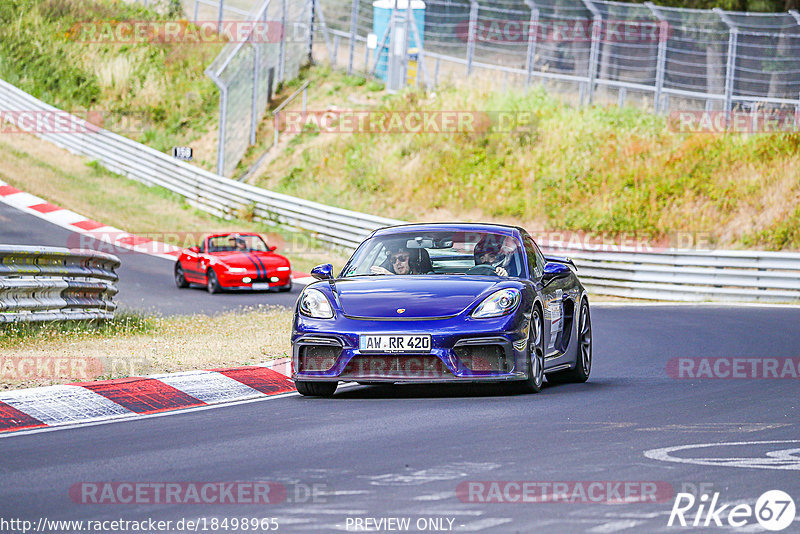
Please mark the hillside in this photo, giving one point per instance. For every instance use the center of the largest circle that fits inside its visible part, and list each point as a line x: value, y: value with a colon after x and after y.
x: 594, y: 169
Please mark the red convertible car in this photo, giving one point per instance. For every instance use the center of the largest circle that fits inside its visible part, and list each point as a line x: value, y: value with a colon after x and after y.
x: 233, y: 261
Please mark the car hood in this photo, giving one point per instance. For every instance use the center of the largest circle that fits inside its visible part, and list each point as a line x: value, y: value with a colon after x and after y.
x: 381, y: 297
x: 249, y: 260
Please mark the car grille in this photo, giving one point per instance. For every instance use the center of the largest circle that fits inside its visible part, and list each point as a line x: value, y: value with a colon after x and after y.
x: 483, y: 358
x: 317, y: 357
x: 406, y: 367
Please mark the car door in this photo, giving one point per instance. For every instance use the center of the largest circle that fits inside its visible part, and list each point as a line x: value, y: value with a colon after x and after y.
x: 204, y: 259
x: 553, y: 294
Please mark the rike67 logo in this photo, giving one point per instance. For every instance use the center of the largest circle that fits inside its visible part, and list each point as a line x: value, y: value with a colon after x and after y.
x: 774, y: 510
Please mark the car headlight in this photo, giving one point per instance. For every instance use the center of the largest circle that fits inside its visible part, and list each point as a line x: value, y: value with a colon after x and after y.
x: 313, y: 303
x: 237, y: 270
x: 497, y: 304
x: 282, y: 269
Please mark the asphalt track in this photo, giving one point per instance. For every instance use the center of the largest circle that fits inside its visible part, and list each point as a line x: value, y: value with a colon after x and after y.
x: 391, y: 451
x: 146, y: 282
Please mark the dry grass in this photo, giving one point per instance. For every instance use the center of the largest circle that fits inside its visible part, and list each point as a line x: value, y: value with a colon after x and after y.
x: 171, y: 344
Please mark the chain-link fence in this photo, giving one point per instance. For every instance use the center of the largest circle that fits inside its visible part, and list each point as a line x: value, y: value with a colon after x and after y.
x: 673, y: 58
x: 270, y: 51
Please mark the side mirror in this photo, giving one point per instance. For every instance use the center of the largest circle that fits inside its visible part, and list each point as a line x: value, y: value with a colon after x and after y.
x: 554, y: 271
x: 194, y: 249
x: 272, y: 249
x: 323, y: 272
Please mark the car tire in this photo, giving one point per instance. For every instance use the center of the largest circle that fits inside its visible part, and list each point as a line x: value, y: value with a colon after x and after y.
x: 535, y: 353
x: 316, y: 389
x: 180, y: 277
x: 213, y: 283
x: 583, y: 362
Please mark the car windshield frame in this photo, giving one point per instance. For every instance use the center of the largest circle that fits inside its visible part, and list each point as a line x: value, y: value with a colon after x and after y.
x: 222, y: 243
x: 450, y: 252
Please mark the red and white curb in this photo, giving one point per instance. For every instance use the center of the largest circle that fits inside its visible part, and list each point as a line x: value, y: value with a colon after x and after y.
x: 89, y: 402
x: 81, y: 225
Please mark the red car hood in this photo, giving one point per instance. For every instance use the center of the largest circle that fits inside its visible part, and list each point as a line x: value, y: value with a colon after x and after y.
x: 250, y: 260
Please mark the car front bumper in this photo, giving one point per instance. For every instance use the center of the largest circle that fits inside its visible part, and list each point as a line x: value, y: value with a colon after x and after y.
x: 463, y: 349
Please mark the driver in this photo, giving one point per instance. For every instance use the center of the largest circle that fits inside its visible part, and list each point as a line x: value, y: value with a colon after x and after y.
x: 237, y: 243
x: 495, y: 252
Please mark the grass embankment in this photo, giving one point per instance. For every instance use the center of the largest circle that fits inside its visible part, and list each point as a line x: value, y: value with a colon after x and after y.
x: 593, y: 169
x: 154, y: 92
x: 135, y: 344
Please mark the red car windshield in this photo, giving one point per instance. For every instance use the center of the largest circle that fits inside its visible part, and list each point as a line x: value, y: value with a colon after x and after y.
x: 231, y: 243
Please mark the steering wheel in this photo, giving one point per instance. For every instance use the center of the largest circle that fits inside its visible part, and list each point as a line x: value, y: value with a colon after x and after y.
x: 482, y: 270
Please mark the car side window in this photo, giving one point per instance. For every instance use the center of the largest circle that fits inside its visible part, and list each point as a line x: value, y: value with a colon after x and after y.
x: 535, y: 258
x: 202, y: 246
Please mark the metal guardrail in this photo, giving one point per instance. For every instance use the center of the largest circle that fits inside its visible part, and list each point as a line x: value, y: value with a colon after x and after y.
x: 53, y: 283
x: 205, y: 190
x: 685, y: 275
x: 669, y: 275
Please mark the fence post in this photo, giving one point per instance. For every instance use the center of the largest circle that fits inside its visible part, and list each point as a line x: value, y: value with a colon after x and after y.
x: 663, y: 37
x: 311, y: 35
x: 353, y: 30
x: 220, y: 15
x: 473, y: 24
x: 256, y: 77
x: 730, y: 68
x: 406, y: 42
x: 796, y: 15
x: 594, y: 55
x: 533, y: 36
x: 196, y: 9
x: 223, y: 119
x: 282, y: 49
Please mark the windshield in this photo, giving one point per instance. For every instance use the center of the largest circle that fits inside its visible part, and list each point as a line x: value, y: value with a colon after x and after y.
x: 471, y: 253
x: 233, y: 242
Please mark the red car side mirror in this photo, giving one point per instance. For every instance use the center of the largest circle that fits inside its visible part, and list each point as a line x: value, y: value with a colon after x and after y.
x: 272, y: 249
x: 194, y: 249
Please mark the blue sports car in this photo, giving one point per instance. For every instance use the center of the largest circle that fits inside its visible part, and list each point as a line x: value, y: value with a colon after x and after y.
x: 443, y: 303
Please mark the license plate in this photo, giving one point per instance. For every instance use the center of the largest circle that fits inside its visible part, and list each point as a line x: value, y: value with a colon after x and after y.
x: 394, y: 343
x: 260, y: 286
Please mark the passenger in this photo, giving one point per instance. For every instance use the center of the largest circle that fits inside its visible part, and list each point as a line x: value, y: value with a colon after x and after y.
x: 401, y: 261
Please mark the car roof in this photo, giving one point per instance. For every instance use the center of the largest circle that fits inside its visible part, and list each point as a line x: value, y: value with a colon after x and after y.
x: 501, y: 229
x: 225, y: 234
